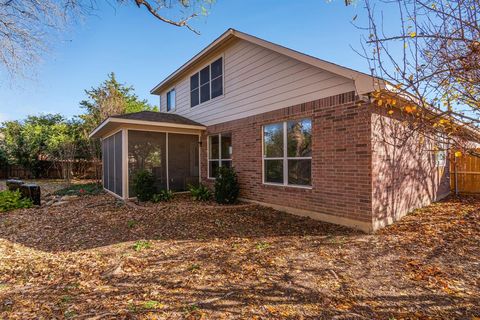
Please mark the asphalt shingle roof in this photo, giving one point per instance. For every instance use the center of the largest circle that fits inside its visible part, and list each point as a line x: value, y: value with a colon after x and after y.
x: 157, y: 117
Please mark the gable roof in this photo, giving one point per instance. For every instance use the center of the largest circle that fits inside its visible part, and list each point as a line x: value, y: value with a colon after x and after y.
x: 364, y: 83
x: 152, y: 118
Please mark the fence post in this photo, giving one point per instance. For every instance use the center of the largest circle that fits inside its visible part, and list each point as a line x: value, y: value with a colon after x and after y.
x: 456, y: 176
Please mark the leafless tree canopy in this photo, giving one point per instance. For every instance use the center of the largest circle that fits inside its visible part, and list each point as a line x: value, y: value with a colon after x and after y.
x: 430, y: 51
x: 28, y: 26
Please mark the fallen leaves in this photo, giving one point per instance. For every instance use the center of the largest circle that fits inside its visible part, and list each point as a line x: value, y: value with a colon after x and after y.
x: 96, y: 259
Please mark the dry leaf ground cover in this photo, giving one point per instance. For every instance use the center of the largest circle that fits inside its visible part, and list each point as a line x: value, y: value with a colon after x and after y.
x: 96, y: 258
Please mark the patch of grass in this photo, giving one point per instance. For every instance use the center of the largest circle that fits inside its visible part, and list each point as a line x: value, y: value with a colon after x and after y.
x: 152, y: 304
x: 81, y: 190
x: 131, y: 223
x: 194, y: 267
x: 141, y: 245
x: 262, y: 245
x: 65, y: 299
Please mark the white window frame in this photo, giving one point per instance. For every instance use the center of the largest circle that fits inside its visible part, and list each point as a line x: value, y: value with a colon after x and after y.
x: 220, y: 160
x: 209, y: 82
x: 169, y: 99
x: 442, y: 147
x: 285, y: 157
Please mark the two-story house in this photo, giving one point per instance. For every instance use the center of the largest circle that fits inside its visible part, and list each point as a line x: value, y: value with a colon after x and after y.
x: 301, y: 132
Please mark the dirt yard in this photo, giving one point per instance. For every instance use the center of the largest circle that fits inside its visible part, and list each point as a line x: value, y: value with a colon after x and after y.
x: 96, y: 258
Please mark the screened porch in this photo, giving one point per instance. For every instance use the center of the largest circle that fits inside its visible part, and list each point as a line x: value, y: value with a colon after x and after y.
x: 169, y: 150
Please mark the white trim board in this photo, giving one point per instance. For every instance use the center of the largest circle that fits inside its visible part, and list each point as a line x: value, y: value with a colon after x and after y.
x: 122, y: 121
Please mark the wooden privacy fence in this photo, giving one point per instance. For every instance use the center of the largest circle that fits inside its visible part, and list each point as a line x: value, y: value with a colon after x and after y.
x: 82, y: 169
x: 465, y: 173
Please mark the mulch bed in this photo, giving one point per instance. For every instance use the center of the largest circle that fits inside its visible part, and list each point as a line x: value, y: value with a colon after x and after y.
x: 97, y: 258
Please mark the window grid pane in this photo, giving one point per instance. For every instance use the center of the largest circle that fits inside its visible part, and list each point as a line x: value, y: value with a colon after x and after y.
x: 226, y: 146
x: 213, y: 166
x: 213, y: 148
x: 205, y: 75
x: 217, y: 68
x: 195, y: 97
x: 273, y: 140
x: 273, y: 171
x: 194, y: 81
x: 205, y: 93
x: 217, y: 87
x: 299, y: 138
x: 300, y: 172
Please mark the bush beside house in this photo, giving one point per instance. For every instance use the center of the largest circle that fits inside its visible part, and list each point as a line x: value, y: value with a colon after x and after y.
x: 226, y: 185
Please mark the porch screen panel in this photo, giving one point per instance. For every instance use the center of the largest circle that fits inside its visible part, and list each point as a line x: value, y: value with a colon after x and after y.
x: 104, y: 163
x: 183, y: 161
x: 147, y: 150
x: 111, y: 163
x: 118, y: 163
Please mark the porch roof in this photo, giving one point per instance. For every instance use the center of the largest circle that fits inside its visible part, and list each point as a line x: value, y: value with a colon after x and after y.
x: 148, y: 118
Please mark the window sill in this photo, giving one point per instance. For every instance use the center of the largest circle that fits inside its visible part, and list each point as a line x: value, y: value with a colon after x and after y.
x: 288, y: 186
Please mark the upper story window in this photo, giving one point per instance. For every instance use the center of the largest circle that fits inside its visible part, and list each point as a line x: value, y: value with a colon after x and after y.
x: 171, y: 98
x: 207, y: 83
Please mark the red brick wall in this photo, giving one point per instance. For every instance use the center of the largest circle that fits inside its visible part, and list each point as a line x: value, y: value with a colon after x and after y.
x: 359, y: 171
x: 341, y: 159
x: 405, y: 175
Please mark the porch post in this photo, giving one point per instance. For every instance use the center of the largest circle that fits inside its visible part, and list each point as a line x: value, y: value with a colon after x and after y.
x: 125, y: 163
x: 166, y: 163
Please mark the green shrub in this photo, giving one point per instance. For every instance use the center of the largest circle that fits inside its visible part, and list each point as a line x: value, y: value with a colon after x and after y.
x: 144, y: 185
x: 163, y: 195
x: 10, y: 200
x: 226, y: 185
x: 200, y: 193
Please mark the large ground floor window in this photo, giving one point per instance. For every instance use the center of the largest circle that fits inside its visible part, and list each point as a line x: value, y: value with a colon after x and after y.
x: 287, y: 153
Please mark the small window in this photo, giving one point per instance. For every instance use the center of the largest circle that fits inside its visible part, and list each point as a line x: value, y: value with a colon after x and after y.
x: 171, y: 98
x: 219, y: 152
x: 441, y: 154
x: 207, y: 83
x: 287, y: 153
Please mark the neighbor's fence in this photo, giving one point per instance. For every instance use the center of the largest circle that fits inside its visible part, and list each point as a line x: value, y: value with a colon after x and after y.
x: 465, y: 174
x: 81, y: 169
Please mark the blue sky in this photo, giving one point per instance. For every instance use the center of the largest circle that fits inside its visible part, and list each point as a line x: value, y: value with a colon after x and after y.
x: 142, y: 50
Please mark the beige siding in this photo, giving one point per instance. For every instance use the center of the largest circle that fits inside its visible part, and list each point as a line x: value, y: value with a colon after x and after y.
x: 258, y: 80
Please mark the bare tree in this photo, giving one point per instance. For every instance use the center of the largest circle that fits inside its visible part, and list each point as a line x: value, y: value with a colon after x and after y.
x: 28, y: 26
x: 429, y: 51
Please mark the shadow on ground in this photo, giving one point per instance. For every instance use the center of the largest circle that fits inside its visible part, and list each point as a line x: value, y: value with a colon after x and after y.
x: 90, y: 222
